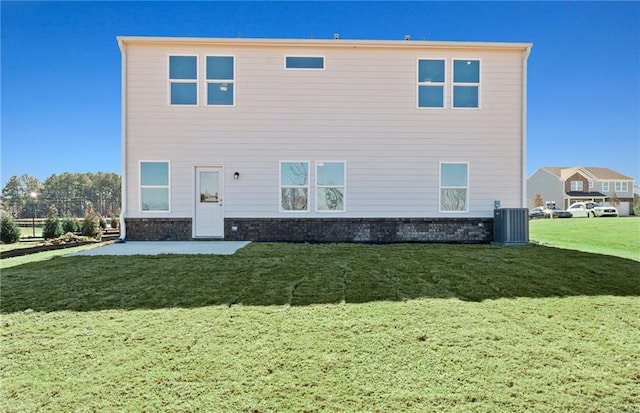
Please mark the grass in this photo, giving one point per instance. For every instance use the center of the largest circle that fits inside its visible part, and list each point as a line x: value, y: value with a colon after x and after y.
x: 610, y: 236
x: 42, y: 256
x: 294, y: 327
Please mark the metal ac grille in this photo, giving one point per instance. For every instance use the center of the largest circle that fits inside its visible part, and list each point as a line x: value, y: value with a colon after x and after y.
x: 511, y: 226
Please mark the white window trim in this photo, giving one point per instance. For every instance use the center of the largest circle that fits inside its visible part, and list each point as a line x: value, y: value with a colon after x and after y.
x: 324, y: 63
x: 590, y: 185
x: 581, y: 186
x: 344, y: 189
x: 624, y: 186
x: 440, y: 187
x: 232, y: 81
x: 140, y: 186
x: 170, y: 81
x: 308, y: 186
x: 429, y: 83
x: 605, y: 187
x: 479, y: 84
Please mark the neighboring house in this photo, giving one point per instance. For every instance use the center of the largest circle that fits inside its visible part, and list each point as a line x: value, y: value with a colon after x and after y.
x: 566, y: 185
x: 321, y: 140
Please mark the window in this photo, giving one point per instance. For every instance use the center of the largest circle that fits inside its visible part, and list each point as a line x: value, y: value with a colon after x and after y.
x: 605, y: 187
x: 330, y: 186
x: 590, y: 185
x: 154, y: 186
x: 303, y: 62
x: 576, y: 185
x: 294, y: 186
x: 454, y: 189
x: 183, y: 80
x: 431, y: 80
x: 220, y: 81
x: 466, y: 83
x: 622, y: 186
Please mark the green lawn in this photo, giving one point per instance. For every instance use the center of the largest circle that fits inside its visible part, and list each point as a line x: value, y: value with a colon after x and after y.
x: 611, y: 236
x: 295, y: 327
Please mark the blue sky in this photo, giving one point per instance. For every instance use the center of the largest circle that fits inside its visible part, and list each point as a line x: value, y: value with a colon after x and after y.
x: 60, y: 67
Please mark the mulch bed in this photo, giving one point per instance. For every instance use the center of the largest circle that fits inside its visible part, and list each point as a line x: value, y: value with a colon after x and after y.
x: 57, y: 244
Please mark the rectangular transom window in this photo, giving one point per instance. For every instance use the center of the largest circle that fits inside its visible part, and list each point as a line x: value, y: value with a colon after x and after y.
x: 622, y: 186
x: 220, y: 81
x: 154, y: 186
x: 304, y: 62
x: 431, y: 80
x: 330, y: 186
x: 454, y: 187
x: 183, y: 80
x: 576, y: 186
x: 466, y: 83
x: 294, y: 186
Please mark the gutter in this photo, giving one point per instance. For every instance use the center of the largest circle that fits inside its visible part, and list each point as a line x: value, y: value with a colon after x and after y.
x: 525, y: 56
x: 123, y: 143
x: 335, y: 43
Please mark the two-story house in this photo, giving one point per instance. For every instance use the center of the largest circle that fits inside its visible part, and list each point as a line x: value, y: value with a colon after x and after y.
x: 320, y: 140
x: 566, y: 185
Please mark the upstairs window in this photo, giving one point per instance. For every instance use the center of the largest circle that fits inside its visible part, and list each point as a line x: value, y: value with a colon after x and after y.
x: 330, y: 186
x: 466, y: 83
x: 431, y: 79
x: 183, y: 80
x: 454, y: 187
x: 622, y: 186
x: 294, y: 186
x: 576, y: 186
x: 304, y: 62
x: 220, y: 81
x: 605, y: 187
x: 154, y: 186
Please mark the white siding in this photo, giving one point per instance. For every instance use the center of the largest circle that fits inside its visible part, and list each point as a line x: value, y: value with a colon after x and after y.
x: 361, y: 109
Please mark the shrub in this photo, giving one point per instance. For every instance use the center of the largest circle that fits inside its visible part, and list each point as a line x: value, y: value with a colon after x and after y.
x: 52, y: 226
x: 114, y: 222
x: 103, y: 223
x: 91, y: 223
x: 70, y: 224
x: 9, y: 230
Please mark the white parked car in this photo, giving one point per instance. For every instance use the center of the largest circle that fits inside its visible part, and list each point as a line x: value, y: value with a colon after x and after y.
x: 591, y: 209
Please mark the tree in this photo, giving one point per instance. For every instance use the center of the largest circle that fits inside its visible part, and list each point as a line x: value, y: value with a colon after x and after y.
x: 539, y: 201
x: 12, y: 196
x: 16, y: 199
x: 614, y: 200
x: 52, y: 226
x: 68, y: 192
x: 91, y: 223
x: 9, y: 230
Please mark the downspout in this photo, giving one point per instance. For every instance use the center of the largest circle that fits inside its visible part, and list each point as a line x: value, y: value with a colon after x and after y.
x: 123, y: 143
x: 525, y: 56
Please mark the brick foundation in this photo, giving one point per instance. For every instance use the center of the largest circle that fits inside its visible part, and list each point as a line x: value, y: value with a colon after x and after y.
x: 366, y: 230
x: 158, y: 229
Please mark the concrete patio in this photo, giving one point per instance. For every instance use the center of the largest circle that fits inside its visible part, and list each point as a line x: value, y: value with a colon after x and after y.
x: 164, y: 247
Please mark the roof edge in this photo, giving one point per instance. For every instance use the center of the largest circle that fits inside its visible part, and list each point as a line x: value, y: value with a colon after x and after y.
x: 323, y: 42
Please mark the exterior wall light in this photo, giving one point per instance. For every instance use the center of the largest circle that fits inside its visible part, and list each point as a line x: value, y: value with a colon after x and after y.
x: 236, y: 175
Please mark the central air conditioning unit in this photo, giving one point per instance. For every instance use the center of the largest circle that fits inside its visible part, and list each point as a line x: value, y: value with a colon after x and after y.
x: 510, y: 226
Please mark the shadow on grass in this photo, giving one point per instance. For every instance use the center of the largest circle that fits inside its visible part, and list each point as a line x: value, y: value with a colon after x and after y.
x: 300, y: 274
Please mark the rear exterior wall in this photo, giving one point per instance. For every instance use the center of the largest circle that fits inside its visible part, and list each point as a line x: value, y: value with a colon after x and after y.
x: 361, y: 109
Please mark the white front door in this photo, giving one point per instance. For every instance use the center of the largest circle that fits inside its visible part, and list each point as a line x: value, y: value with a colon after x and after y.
x: 209, y: 211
